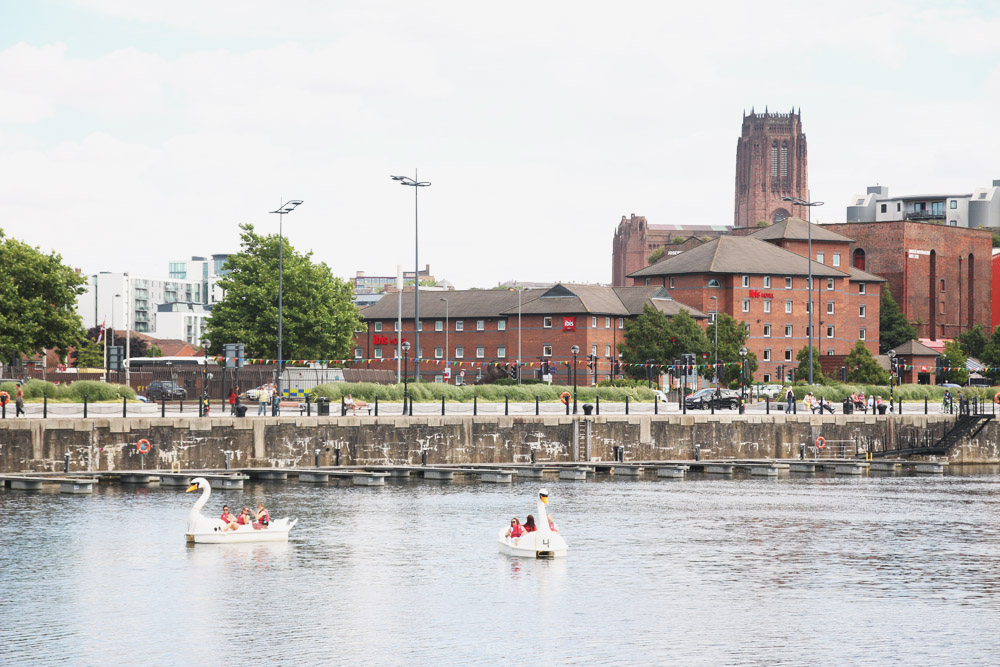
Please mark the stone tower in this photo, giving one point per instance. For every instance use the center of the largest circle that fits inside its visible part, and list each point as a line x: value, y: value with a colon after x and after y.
x: 770, y: 164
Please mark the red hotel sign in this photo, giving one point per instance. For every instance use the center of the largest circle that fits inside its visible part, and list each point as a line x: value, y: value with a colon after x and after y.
x: 569, y: 323
x: 382, y: 339
x: 757, y: 294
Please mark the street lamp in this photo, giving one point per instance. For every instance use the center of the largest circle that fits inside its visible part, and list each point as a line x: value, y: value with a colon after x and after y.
x: 416, y: 184
x: 575, y: 350
x: 715, y: 309
x: 204, y: 379
x: 743, y: 369
x: 518, y: 332
x: 406, y: 366
x: 448, y: 375
x: 282, y: 211
x: 798, y: 201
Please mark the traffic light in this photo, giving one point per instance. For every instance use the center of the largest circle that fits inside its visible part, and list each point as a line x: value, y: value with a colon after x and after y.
x: 843, y: 373
x: 781, y: 373
x: 545, y: 367
x: 591, y: 361
x: 115, y: 357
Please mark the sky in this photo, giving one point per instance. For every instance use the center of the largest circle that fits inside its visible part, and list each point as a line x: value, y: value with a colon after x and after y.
x: 133, y: 134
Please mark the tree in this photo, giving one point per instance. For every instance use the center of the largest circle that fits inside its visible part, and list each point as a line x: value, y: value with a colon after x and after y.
x: 37, y: 301
x: 991, y: 357
x: 732, y: 336
x: 862, y: 368
x: 657, y: 255
x: 894, y: 330
x: 318, y: 318
x: 996, y: 240
x: 802, y: 372
x: 88, y: 354
x: 953, y: 361
x: 154, y: 351
x: 973, y: 341
x: 653, y: 335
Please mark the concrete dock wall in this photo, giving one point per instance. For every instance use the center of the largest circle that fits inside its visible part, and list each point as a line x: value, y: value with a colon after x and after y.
x: 110, y: 444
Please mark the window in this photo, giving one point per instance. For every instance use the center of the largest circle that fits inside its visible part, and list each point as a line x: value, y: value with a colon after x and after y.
x: 378, y: 326
x: 502, y: 351
x: 830, y: 352
x: 547, y: 322
x: 861, y: 288
x: 480, y: 325
x: 836, y: 259
x: 593, y: 322
x: 593, y: 349
x: 546, y: 350
x: 767, y: 305
x: 671, y: 283
x: 621, y: 322
x: 438, y: 325
x: 861, y: 311
x: 746, y: 281
x: 647, y: 282
x: 861, y: 334
x: 809, y: 306
x: 378, y: 353
x: 883, y: 208
x: 767, y: 331
x: 788, y: 331
x: 395, y: 325
x: 788, y: 282
x: 767, y: 281
x: 420, y: 325
x: 788, y: 354
x: 942, y: 308
x: 808, y: 331
x: 829, y: 332
x: 767, y: 354
x: 459, y: 352
x: 480, y: 352
x: 357, y: 353
x: 953, y: 204
x: 746, y: 305
x: 438, y: 352
x: 607, y: 350
x: 829, y: 307
x: 942, y: 284
x: 714, y: 283
x: 774, y: 160
x: 459, y: 325
x: 830, y: 283
x: 501, y: 325
x: 788, y: 306
x: 784, y: 159
x: 821, y: 257
x: 607, y: 322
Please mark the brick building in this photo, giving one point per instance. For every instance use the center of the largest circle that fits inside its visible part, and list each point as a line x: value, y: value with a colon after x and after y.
x: 479, y: 327
x: 771, y: 163
x: 762, y: 280
x: 940, y: 276
x: 635, y: 239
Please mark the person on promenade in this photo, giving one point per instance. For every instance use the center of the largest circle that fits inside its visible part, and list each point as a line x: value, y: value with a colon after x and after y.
x: 529, y: 524
x: 276, y: 401
x: 353, y: 404
x: 790, y: 400
x: 262, y: 400
x: 515, y: 529
x: 19, y: 400
x: 263, y: 518
x: 234, y: 397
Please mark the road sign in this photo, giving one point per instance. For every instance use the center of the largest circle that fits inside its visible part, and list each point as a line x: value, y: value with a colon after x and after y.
x: 461, y: 374
x: 447, y: 373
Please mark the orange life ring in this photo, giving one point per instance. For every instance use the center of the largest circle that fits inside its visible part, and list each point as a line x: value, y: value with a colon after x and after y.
x: 820, y: 442
x: 996, y: 398
x: 4, y: 397
x: 142, y: 446
x: 564, y: 397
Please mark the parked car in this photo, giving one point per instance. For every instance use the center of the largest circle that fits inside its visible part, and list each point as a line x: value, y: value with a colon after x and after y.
x: 703, y: 399
x: 772, y: 391
x: 160, y: 389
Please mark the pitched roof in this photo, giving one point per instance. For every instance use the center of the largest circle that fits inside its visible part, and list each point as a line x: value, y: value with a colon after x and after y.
x: 915, y: 349
x: 737, y: 254
x: 859, y: 276
x: 797, y: 229
x: 460, y: 303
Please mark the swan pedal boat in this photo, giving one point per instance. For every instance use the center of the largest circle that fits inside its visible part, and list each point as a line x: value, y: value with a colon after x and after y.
x: 203, y: 530
x: 542, y: 543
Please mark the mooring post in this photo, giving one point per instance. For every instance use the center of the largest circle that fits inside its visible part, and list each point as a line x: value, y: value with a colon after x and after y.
x: 411, y: 406
x: 506, y: 405
x: 656, y: 405
x: 343, y: 407
x: 767, y: 405
x: 376, y: 405
x: 925, y: 405
x: 45, y: 406
x: 66, y: 462
x: 316, y: 451
x: 795, y: 407
x: 626, y: 404
x: 442, y: 406
x: 597, y: 404
x: 124, y: 407
x: 84, y: 406
x: 475, y: 405
x: 712, y: 403
x: 309, y: 412
x: 567, y: 406
x: 181, y: 405
x: 3, y: 409
x: 536, y: 406
x: 163, y: 406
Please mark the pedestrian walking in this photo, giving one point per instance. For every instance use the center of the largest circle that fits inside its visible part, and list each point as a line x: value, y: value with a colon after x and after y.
x: 19, y: 400
x: 262, y: 400
x: 789, y: 399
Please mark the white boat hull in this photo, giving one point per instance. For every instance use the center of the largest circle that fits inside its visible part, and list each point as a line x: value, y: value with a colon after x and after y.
x: 532, y: 545
x: 277, y: 531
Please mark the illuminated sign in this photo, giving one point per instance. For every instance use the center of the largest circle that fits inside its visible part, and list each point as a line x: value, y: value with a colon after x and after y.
x: 757, y: 294
x: 382, y: 339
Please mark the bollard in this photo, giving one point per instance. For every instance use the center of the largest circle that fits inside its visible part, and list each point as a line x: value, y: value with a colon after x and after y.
x: 626, y: 404
x: 795, y: 407
x: 316, y: 451
x: 536, y: 406
x: 229, y: 459
x: 442, y: 406
x: 201, y: 409
x: 66, y: 462
x: 84, y: 406
x: 767, y: 405
x: 534, y: 457
x: 45, y: 406
x: 337, y: 451
x: 567, y: 406
x: 376, y: 405
x: 684, y: 406
x: 163, y: 406
x: 411, y: 406
x: 181, y: 402
x: 713, y: 406
x: 656, y: 406
x: 309, y: 413
x: 475, y: 405
x: 506, y: 406
x: 423, y: 457
x: 925, y: 405
x: 597, y: 404
x: 124, y: 407
x: 3, y: 409
x: 343, y: 407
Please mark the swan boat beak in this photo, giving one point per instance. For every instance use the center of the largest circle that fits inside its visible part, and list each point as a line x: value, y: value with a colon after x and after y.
x: 193, y: 487
x: 544, y: 499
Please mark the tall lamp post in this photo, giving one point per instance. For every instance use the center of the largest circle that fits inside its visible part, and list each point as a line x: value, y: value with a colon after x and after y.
x: 282, y: 211
x: 798, y: 201
x: 406, y: 369
x: 715, y: 321
x: 448, y: 374
x: 743, y: 375
x: 416, y: 184
x: 575, y: 350
x: 204, y: 379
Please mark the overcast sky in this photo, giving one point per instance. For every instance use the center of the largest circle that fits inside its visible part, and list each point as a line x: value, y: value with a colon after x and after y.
x: 136, y: 133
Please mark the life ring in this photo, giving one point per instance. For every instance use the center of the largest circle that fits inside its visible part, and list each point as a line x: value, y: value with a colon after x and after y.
x: 564, y: 397
x: 4, y: 397
x: 996, y: 398
x: 820, y: 442
x: 142, y: 446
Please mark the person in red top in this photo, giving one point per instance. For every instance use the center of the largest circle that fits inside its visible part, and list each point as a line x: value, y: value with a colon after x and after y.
x: 529, y: 524
x: 244, y: 518
x: 263, y: 518
x: 228, y: 518
x: 515, y: 529
x: 233, y: 398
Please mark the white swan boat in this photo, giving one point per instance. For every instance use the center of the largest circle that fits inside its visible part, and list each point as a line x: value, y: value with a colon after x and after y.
x: 203, y: 530
x: 542, y: 543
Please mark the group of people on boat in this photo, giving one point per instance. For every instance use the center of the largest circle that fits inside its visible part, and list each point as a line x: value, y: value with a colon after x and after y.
x: 259, y: 519
x: 517, y: 529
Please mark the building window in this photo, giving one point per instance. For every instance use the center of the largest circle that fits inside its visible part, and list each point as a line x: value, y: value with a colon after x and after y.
x: 395, y: 325
x: 829, y: 307
x: 607, y: 322
x: 830, y: 352
x: 767, y: 281
x: 459, y: 325
x: 378, y: 353
x: 861, y: 288
x: 502, y: 351
x: 357, y: 353
x: 767, y: 331
x: 546, y: 350
x: 438, y: 325
x: 746, y: 281
x: 820, y: 257
x: 809, y: 306
x: 501, y: 325
x: 767, y: 305
x: 547, y: 322
x: 378, y: 326
x: 784, y: 159
x: 861, y: 311
x: 808, y: 331
x: 767, y: 354
x: 713, y: 282
x: 859, y: 259
x: 438, y: 352
x: 829, y: 332
x: 788, y: 354
x: 899, y: 207
x: 836, y: 259
x: 593, y: 322
x: 420, y: 325
x: 788, y: 306
x: 953, y: 204
x: 647, y: 282
x: 861, y: 334
x: 621, y: 322
x: 942, y: 284
x: 671, y: 283
x: 593, y: 349
x: 883, y: 207
x: 942, y: 307
x: 746, y: 305
x: 830, y: 283
x: 788, y: 282
x: 480, y: 325
x: 774, y: 160
x: 607, y: 350
x: 459, y: 352
x: 480, y: 352
x: 788, y: 331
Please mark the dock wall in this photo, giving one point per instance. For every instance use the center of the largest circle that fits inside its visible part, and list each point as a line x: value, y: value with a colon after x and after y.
x: 110, y: 444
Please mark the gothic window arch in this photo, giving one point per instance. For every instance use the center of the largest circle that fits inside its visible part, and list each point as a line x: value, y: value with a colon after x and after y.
x: 780, y: 215
x: 784, y: 159
x: 774, y: 159
x: 859, y: 259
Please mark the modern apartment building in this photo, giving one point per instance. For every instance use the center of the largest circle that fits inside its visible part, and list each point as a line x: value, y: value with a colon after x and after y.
x: 980, y: 208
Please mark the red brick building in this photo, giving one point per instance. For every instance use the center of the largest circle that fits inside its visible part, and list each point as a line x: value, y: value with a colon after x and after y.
x: 917, y: 363
x: 635, y: 239
x: 771, y: 163
x: 762, y: 280
x: 941, y: 276
x: 475, y: 328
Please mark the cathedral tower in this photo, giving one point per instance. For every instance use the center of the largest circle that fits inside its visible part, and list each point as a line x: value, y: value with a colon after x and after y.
x: 770, y: 164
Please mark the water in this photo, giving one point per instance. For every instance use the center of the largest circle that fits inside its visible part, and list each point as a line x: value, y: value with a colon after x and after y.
x: 796, y: 571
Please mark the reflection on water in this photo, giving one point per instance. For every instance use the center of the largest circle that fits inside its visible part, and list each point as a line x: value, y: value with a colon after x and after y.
x: 803, y: 570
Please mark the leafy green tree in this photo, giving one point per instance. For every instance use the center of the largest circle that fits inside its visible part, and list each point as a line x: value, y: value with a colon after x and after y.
x: 973, y: 341
x: 655, y: 336
x: 88, y: 354
x: 154, y: 351
x: 318, y: 317
x: 657, y: 255
x: 732, y: 336
x: 802, y: 372
x: 37, y: 301
x: 996, y: 240
x: 894, y: 330
x: 862, y: 368
x: 991, y: 357
x: 953, y: 358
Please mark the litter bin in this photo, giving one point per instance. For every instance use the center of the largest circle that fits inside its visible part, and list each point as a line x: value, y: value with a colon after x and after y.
x: 882, y: 408
x: 588, y: 409
x: 323, y: 406
x: 241, y: 410
x: 848, y: 407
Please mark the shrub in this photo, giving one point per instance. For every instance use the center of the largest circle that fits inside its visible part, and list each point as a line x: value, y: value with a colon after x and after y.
x: 431, y: 391
x: 72, y: 392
